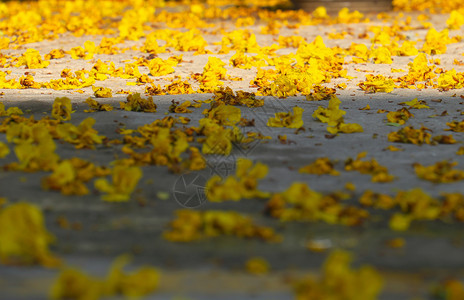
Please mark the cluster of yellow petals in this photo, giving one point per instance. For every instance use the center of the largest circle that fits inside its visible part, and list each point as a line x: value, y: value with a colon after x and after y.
x: 74, y: 284
x: 410, y: 135
x: 32, y: 60
x: 333, y: 116
x: 134, y: 102
x: 320, y: 166
x: 415, y: 204
x: 96, y: 106
x: 378, y: 172
x: 102, y: 92
x: 300, y: 203
x: 242, y: 185
x: 70, y: 176
x: 82, y: 135
x: 62, y: 109
x: 287, y: 119
x: 400, y: 116
x: 377, y: 83
x: 213, y: 73
x: 338, y: 280
x: 34, y: 147
x: 257, y: 266
x: 25, y: 240
x: 124, y: 181
x: 194, y: 225
x: 440, y: 172
x: 452, y: 288
x: 14, y: 110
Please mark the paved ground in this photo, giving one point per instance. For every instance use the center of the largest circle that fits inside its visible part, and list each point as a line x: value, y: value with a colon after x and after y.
x: 214, y: 268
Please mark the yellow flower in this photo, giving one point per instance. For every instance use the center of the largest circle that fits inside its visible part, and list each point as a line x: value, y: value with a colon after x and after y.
x: 96, y: 106
x: 333, y: 116
x: 124, y: 181
x: 178, y: 87
x: 407, y: 49
x: 4, y: 43
x: 244, y: 184
x: 160, y: 67
x: 400, y: 116
x: 377, y: 83
x: 75, y: 284
x: 257, y: 266
x: 61, y: 109
x: 83, y: 135
x: 191, y: 40
x: 415, y: 204
x: 345, y: 16
x: 455, y: 126
x: 223, y: 114
x: 167, y: 145
x: 242, y: 61
x: 136, y: 284
x: 332, y: 112
x: 287, y: 119
x: 414, y: 103
x: 400, y: 222
x: 239, y: 40
x: 284, y: 86
x: 382, y: 55
x: 322, y: 93
x: 86, y: 53
x: 10, y: 111
x: 227, y: 96
x: 212, y: 72
x: 218, y: 142
x: 460, y: 151
x: 102, y: 92
x: 377, y: 200
x: 440, y: 172
x: 360, y: 53
x: 393, y: 148
x: 419, y: 70
x: 339, y: 281
x: 396, y: 243
x: 320, y: 166
x: 444, y: 139
x: 246, y: 21
x: 300, y: 203
x: 194, y: 225
x: 4, y: 150
x: 378, y: 172
x: 153, y: 90
x: 55, y: 54
x: 136, y: 103
x: 450, y: 80
x: 32, y: 59
x: 28, y: 82
x: 196, y: 161
x: 35, y: 147
x: 180, y: 108
x: 410, y: 135
x: 25, y: 239
x: 151, y: 45
x: 456, y: 20
x: 320, y: 13
x: 65, y: 179
x: 345, y: 128
x: 451, y: 289
x: 435, y: 42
